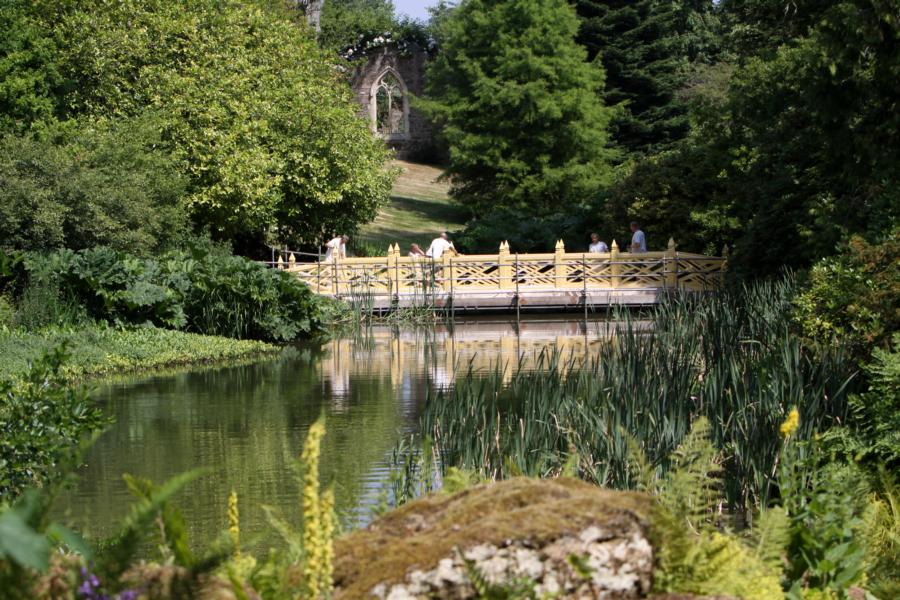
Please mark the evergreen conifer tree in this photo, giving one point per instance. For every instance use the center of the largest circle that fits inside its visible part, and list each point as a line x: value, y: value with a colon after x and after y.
x: 520, y: 106
x: 646, y: 47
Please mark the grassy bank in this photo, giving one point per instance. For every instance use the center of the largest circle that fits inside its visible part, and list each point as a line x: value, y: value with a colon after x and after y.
x: 419, y: 209
x: 99, y: 350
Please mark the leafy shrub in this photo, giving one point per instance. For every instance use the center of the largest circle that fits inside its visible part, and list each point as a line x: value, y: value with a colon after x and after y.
x: 41, y: 421
x: 825, y: 502
x: 104, y: 183
x: 871, y: 438
x: 236, y: 297
x: 855, y: 296
x: 203, y: 291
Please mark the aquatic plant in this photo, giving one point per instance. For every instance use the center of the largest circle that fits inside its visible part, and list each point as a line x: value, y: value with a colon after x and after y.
x: 732, y: 358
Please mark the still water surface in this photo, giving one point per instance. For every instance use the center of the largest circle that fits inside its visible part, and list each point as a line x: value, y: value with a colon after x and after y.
x: 247, y: 423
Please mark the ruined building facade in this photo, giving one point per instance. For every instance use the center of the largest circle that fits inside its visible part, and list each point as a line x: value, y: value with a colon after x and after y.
x: 384, y: 84
x: 384, y: 81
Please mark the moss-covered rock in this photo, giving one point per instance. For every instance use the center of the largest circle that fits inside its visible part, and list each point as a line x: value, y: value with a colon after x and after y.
x: 559, y: 536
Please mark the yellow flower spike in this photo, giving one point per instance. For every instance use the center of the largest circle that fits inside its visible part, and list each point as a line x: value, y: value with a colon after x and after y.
x: 790, y: 424
x: 234, y: 523
x: 312, y: 512
x: 326, y: 540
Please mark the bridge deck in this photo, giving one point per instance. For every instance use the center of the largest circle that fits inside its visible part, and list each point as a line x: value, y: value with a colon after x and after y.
x: 504, y: 281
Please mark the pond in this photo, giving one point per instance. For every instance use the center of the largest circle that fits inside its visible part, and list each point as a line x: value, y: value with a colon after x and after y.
x: 246, y: 423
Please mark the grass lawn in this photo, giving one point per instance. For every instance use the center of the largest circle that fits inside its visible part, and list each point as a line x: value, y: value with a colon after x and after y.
x: 418, y: 211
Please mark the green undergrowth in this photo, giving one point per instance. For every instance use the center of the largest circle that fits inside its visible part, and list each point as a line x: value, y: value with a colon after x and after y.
x: 98, y: 350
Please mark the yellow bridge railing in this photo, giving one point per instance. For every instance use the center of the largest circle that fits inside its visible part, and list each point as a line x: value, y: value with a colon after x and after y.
x: 509, y: 273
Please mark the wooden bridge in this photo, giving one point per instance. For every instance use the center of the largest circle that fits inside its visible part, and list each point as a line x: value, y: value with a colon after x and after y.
x: 507, y: 281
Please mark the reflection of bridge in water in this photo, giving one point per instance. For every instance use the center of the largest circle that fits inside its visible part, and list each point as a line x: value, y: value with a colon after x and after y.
x: 444, y: 351
x: 507, y: 281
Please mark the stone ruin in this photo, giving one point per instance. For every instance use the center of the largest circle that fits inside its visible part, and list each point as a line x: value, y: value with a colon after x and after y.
x: 384, y: 83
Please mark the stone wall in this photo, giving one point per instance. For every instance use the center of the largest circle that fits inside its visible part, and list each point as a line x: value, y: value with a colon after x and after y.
x: 417, y: 141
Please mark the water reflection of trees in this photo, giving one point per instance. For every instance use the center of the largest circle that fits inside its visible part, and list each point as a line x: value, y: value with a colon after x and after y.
x: 247, y: 422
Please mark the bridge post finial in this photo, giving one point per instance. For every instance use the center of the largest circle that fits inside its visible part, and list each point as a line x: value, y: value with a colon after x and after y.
x: 504, y: 267
x: 560, y: 271
x: 671, y: 265
x: 280, y: 262
x: 615, y: 268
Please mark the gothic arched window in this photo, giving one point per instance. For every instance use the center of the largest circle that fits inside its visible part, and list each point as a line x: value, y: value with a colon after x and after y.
x: 389, y: 110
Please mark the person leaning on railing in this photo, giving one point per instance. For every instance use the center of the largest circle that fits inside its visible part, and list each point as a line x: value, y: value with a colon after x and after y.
x: 336, y: 248
x: 439, y: 245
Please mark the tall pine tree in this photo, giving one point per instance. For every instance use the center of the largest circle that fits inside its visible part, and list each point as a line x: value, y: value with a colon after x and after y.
x: 646, y: 48
x: 520, y: 106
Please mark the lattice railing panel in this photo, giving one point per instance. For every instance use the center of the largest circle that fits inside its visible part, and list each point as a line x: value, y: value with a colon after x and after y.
x: 534, y: 273
x: 649, y: 272
x: 508, y: 272
x: 700, y: 273
x: 471, y: 275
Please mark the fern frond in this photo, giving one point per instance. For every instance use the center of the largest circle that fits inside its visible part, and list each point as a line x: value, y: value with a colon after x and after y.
x: 116, y: 554
x: 768, y: 539
x: 689, y: 491
x: 456, y: 480
x: 636, y: 458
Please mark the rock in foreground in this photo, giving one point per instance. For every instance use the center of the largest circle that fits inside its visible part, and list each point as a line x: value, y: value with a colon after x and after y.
x: 559, y: 537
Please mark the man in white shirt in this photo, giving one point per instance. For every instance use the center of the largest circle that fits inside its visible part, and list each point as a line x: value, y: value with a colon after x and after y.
x: 439, y: 246
x: 336, y: 248
x: 597, y: 246
x: 638, y: 239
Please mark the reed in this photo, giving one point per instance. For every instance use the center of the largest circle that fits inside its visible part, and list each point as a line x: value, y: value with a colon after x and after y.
x: 732, y: 358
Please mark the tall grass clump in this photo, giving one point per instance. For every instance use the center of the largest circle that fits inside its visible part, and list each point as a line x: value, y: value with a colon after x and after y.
x: 733, y: 358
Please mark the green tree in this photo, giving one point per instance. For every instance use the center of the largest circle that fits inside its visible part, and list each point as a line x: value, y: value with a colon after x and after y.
x: 255, y: 113
x: 104, y: 183
x: 788, y: 159
x: 31, y: 86
x: 647, y: 48
x: 345, y: 21
x: 807, y: 127
x: 519, y: 106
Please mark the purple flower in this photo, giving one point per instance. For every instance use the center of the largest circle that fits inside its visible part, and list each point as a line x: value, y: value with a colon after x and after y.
x: 90, y: 587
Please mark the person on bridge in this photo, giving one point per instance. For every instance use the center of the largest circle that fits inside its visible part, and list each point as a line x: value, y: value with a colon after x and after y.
x: 336, y: 248
x: 415, y: 250
x: 638, y: 239
x: 597, y: 246
x: 440, y: 245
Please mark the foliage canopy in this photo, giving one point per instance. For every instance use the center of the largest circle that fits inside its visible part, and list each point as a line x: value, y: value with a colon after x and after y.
x: 519, y: 105
x: 252, y: 110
